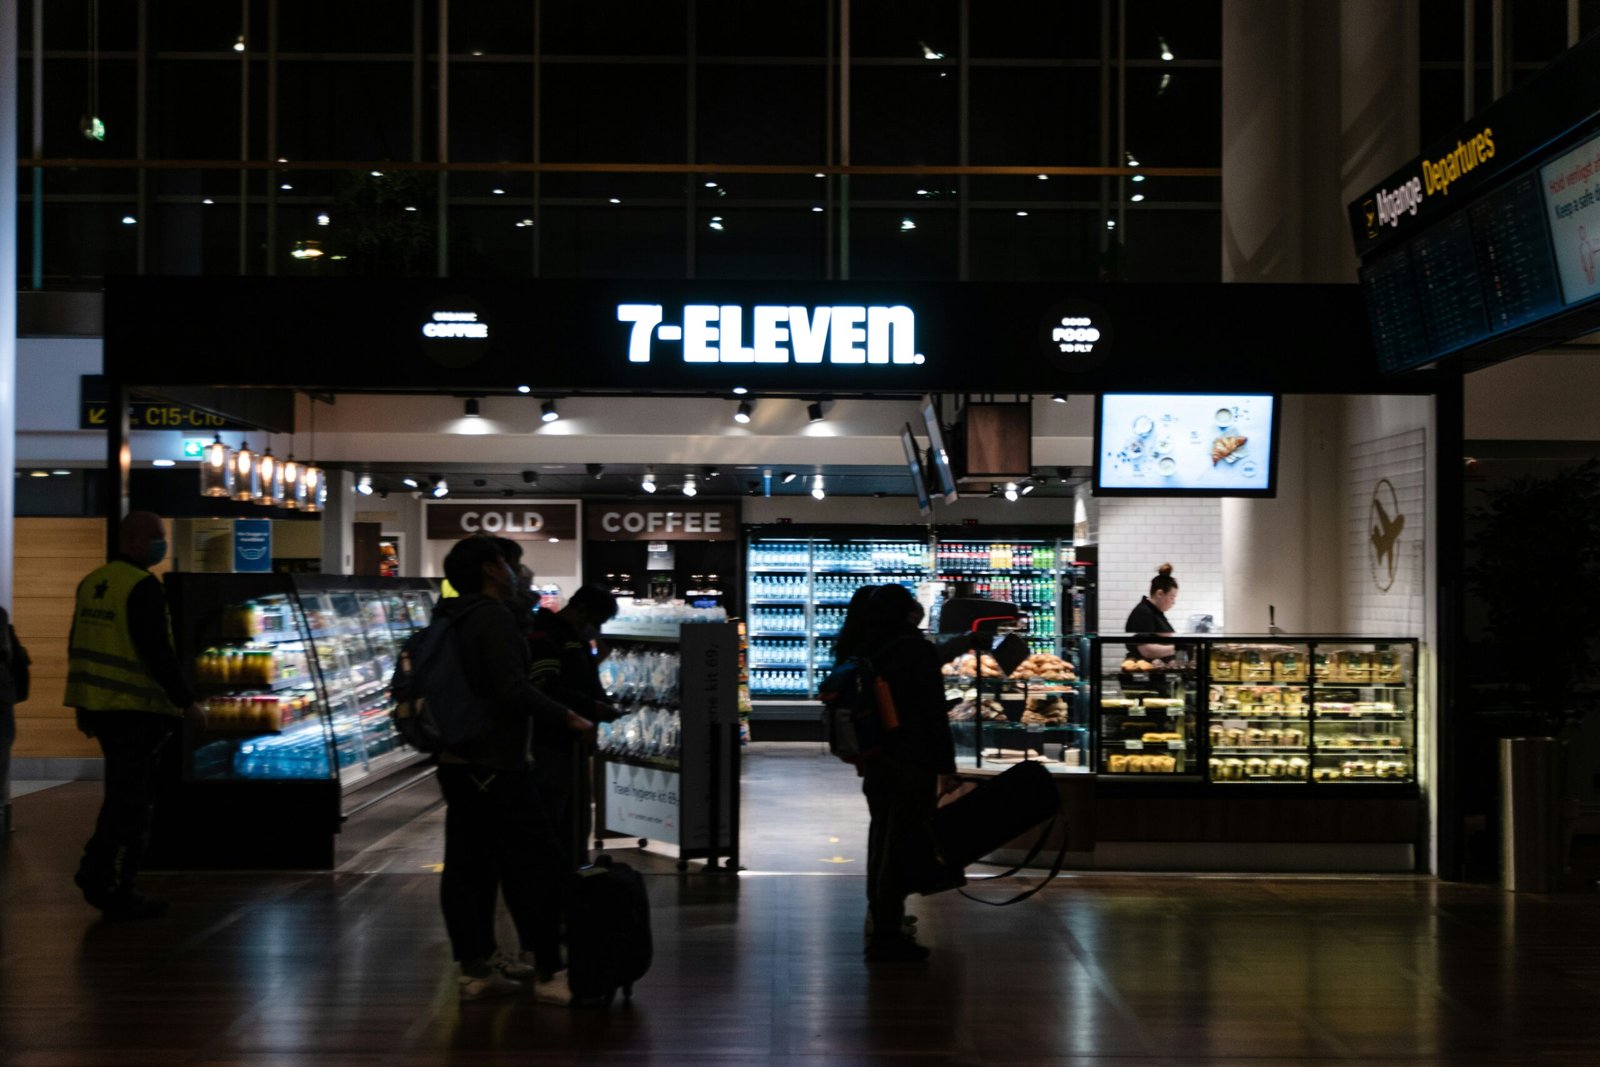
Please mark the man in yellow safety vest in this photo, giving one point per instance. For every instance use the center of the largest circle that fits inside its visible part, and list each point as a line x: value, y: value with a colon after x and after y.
x: 124, y: 680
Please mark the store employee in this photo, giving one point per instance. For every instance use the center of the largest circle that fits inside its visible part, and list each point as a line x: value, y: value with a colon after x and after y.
x: 1148, y: 619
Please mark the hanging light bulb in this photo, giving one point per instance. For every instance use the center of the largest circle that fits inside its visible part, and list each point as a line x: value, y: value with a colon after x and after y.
x: 271, y: 479
x: 246, y: 475
x: 216, y: 470
x: 313, y: 489
x: 289, y: 492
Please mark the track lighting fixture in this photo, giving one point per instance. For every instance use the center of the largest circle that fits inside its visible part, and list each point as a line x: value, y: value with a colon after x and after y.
x: 441, y: 488
x: 648, y: 484
x: 741, y: 414
x: 817, y: 491
x: 409, y: 483
x: 814, y: 411
x: 472, y: 409
x: 595, y: 470
x: 1011, y: 490
x: 1059, y: 398
x: 530, y: 477
x: 364, y: 485
x: 787, y: 476
x: 1026, y: 489
x: 689, y: 488
x: 548, y: 412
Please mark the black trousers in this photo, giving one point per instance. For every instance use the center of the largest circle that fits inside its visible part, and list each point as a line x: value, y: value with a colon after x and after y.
x: 498, y: 839
x: 131, y: 742
x: 901, y: 799
x: 563, y: 782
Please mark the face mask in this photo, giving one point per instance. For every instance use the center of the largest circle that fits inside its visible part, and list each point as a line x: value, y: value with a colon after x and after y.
x: 156, y: 552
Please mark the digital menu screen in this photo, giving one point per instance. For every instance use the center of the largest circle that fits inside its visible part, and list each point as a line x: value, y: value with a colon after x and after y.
x: 1572, y: 199
x: 1211, y: 444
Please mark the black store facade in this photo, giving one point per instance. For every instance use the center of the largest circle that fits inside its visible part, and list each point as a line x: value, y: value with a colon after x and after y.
x: 237, y: 345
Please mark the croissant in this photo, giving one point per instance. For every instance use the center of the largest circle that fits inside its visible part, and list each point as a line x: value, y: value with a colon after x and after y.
x: 1223, y: 447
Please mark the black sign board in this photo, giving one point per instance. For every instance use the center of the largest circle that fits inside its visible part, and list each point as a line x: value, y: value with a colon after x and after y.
x: 145, y: 414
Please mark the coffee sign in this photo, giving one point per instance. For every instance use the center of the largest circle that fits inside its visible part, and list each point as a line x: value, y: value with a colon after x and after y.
x: 522, y: 521
x: 644, y: 522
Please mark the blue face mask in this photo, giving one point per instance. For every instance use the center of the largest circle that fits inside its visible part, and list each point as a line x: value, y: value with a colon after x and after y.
x: 156, y: 552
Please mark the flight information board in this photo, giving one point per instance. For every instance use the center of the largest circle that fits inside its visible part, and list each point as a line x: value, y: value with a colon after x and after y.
x: 1513, y: 253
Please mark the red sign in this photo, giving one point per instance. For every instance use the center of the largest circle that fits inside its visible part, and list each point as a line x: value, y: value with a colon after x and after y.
x: 520, y: 521
x: 660, y: 522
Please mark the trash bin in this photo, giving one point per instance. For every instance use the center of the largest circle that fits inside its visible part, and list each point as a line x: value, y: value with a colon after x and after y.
x: 1530, y: 815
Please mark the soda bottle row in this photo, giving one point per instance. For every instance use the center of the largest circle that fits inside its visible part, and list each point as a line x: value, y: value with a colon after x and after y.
x: 765, y: 652
x: 795, y: 554
x: 786, y: 682
x: 249, y: 665
x: 780, y: 587
x: 1031, y: 589
x: 248, y: 711
x: 778, y: 620
x: 967, y: 557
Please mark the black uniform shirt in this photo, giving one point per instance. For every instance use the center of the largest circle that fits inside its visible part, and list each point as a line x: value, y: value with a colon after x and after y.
x: 1145, y: 622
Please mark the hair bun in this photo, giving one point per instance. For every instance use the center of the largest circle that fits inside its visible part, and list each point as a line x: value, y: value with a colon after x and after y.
x: 1164, y: 569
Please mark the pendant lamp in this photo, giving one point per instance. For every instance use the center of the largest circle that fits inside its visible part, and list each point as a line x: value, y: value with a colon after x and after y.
x: 246, y: 474
x: 314, y: 489
x: 292, y: 492
x: 216, y: 470
x: 271, y: 489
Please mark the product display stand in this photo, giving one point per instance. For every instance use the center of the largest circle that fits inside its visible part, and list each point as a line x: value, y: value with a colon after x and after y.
x: 667, y: 771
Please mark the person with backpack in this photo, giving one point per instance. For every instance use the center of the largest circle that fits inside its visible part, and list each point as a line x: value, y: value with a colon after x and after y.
x: 904, y: 781
x: 497, y: 836
x: 13, y: 691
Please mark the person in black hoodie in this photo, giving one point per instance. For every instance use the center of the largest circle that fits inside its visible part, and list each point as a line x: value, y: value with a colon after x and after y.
x: 903, y: 784
x: 497, y: 836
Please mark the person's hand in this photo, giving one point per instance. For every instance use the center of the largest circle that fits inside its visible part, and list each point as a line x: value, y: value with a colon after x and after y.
x: 195, y: 716
x: 580, y: 727
x: 949, y: 783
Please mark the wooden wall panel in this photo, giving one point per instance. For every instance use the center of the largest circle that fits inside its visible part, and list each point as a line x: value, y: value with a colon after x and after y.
x: 50, y: 557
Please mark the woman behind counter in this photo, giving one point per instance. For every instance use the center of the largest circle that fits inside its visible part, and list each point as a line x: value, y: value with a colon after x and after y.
x: 1148, y: 619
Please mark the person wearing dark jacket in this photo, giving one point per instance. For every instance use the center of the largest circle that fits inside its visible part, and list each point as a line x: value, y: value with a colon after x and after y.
x: 565, y: 667
x: 903, y: 784
x: 497, y: 837
x: 129, y: 692
x: 14, y: 680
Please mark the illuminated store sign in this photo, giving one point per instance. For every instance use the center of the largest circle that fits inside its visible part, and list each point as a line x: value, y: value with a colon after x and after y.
x: 644, y: 522
x: 448, y: 522
x: 455, y: 324
x: 717, y: 333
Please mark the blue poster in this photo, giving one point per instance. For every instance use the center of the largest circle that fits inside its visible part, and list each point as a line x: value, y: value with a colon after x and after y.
x: 252, y: 546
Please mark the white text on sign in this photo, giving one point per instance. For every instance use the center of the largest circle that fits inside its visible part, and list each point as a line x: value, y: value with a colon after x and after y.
x: 715, y: 333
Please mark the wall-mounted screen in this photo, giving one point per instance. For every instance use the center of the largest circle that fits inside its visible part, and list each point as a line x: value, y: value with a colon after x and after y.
x: 919, y: 480
x: 1194, y: 444
x: 938, y: 457
x: 1572, y: 197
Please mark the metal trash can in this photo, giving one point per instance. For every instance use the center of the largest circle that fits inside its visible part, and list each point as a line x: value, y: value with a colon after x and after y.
x: 1530, y: 814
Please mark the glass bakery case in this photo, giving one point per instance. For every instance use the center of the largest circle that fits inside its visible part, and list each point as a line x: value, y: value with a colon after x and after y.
x: 1037, y: 711
x: 1252, y: 711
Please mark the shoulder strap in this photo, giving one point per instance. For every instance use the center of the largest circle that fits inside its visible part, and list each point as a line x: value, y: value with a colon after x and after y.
x: 1038, y: 846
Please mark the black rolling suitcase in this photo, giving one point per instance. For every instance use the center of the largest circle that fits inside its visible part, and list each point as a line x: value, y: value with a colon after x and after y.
x: 609, y: 946
x: 997, y: 811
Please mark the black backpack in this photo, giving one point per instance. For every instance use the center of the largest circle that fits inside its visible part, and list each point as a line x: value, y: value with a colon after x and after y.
x: 858, y: 710
x: 434, y: 705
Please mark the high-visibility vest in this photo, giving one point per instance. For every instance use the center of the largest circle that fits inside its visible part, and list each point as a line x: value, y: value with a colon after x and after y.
x: 104, y: 672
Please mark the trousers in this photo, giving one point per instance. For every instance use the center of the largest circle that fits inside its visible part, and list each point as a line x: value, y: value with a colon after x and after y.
x: 498, y: 840
x: 901, y: 798
x: 131, y: 742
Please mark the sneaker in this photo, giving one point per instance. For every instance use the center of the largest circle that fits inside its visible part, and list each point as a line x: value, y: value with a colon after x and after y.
x: 553, y: 990
x: 493, y: 984
x: 519, y: 967
x: 131, y: 904
x: 896, y: 950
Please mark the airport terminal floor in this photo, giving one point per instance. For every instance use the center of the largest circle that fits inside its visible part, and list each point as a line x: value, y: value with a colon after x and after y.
x: 351, y: 967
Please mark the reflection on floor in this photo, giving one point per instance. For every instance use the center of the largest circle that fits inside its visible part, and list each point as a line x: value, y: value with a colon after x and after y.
x: 349, y: 968
x: 23, y: 788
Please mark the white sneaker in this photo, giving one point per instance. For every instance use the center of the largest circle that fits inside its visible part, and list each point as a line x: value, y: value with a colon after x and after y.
x: 494, y: 984
x: 553, y: 990
x: 519, y: 967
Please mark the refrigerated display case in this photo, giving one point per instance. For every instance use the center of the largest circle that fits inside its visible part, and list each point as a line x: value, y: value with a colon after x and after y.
x: 799, y: 584
x: 293, y: 672
x: 1260, y: 711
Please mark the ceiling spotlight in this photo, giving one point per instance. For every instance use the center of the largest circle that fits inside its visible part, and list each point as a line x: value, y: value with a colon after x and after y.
x: 472, y: 410
x: 531, y: 477
x: 163, y: 463
x: 548, y: 412
x: 524, y: 389
x: 1011, y: 490
x: 1026, y: 489
x: 929, y: 52
x: 364, y: 485
x: 409, y: 483
x: 649, y: 482
x: 787, y: 476
x: 1059, y: 398
x: 817, y: 490
x: 595, y: 469
x: 739, y: 390
x: 1166, y: 50
x: 689, y: 488
x: 742, y: 413
x: 712, y: 472
x: 441, y: 488
x: 814, y: 411
x: 1137, y: 198
x: 479, y: 483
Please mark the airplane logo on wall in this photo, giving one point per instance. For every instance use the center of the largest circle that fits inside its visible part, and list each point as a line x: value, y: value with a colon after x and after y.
x: 1386, y: 524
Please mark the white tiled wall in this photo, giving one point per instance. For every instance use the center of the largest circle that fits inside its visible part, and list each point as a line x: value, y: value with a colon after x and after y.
x: 1137, y: 535
x: 1402, y: 459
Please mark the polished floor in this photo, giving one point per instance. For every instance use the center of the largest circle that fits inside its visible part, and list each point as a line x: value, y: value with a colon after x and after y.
x: 351, y: 967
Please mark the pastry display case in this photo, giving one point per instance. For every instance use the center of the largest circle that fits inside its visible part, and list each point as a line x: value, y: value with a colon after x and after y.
x: 1248, y: 711
x: 1036, y: 711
